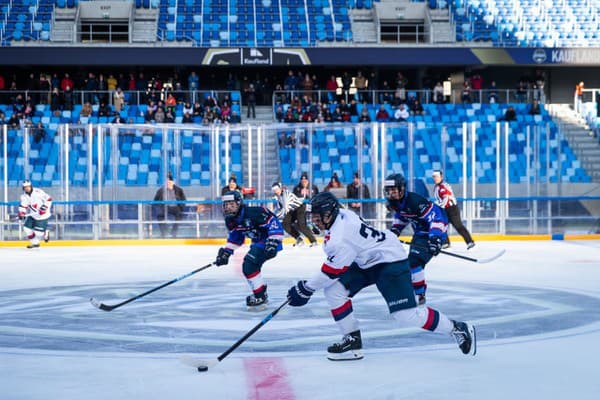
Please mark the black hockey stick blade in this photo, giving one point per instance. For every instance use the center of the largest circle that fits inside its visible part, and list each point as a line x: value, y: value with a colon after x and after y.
x: 477, y: 260
x: 203, y: 365
x: 106, y: 307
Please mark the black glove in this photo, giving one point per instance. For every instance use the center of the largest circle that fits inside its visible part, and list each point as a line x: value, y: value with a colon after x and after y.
x: 435, y: 245
x: 271, y: 246
x: 300, y: 294
x: 223, y: 256
x: 396, y: 230
x: 314, y: 229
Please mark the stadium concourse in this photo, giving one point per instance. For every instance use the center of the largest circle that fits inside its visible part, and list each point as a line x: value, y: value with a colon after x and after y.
x: 537, y: 311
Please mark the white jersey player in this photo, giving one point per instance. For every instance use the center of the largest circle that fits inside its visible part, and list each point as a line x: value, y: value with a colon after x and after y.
x: 358, y: 256
x: 35, y: 210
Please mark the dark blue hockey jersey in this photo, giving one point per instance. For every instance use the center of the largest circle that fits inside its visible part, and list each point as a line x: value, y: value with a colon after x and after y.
x: 425, y: 217
x: 256, y: 223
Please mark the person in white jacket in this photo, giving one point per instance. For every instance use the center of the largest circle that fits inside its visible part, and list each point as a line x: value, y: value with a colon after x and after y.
x: 34, y: 209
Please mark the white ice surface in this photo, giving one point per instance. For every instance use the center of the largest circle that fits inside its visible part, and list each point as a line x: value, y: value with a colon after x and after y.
x: 550, y: 364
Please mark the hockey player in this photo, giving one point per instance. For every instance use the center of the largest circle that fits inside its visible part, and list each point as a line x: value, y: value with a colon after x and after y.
x: 285, y: 203
x: 35, y: 210
x: 429, y: 225
x: 444, y: 197
x: 265, y: 232
x: 358, y: 256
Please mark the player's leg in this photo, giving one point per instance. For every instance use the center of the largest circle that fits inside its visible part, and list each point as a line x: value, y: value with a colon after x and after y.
x: 251, y: 267
x: 28, y: 226
x: 418, y: 257
x: 456, y: 221
x: 338, y: 296
x: 303, y: 227
x: 395, y: 285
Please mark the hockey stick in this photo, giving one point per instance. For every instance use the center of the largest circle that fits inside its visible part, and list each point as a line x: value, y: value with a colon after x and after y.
x: 107, y: 307
x: 477, y: 260
x: 203, y: 365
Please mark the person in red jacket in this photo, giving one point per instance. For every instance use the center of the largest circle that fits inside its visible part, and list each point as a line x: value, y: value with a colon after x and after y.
x: 445, y: 198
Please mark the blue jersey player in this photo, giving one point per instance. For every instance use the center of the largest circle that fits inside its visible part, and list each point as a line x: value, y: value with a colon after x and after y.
x: 266, y: 233
x: 358, y: 256
x: 429, y: 224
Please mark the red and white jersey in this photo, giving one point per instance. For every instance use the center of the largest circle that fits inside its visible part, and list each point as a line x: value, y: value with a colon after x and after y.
x: 352, y: 240
x: 444, y: 196
x: 32, y: 203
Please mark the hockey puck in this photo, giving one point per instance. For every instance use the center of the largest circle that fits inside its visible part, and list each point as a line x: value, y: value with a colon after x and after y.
x: 202, y: 368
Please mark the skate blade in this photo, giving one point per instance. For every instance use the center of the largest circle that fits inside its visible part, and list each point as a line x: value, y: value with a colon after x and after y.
x: 346, y: 356
x: 473, y: 333
x: 260, y: 308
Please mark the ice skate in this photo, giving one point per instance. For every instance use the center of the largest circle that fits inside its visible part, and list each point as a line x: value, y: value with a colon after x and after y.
x: 46, y: 236
x: 299, y: 242
x: 350, y: 348
x: 313, y: 244
x: 421, y: 299
x: 33, y: 246
x: 465, y: 336
x: 257, y: 303
x: 470, y: 245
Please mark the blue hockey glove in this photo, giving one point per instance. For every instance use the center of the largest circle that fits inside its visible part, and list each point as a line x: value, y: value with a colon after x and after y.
x: 434, y: 245
x: 271, y: 246
x: 300, y: 294
x: 223, y: 256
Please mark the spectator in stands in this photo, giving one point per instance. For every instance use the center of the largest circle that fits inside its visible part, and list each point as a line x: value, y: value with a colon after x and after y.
x: 279, y: 115
x: 117, y: 119
x: 118, y: 99
x: 477, y: 85
x: 353, y: 108
x: 509, y: 115
x: 235, y: 118
x: 104, y: 110
x: 331, y: 86
x: 364, y: 115
x: 86, y: 110
x: 188, y: 109
x: 466, y: 92
x: 2, y: 118
x: 334, y: 183
x: 521, y: 92
x: 225, y: 112
x: 102, y: 89
x: 14, y: 121
x: 358, y: 190
x: 39, y: 132
x: 539, y: 84
x: 90, y: 87
x: 198, y: 110
x: 493, y: 93
x: 346, y: 83
x: 66, y: 82
x: 164, y: 212
x: 112, y: 83
x: 382, y: 114
x: 579, y: 96
x: 360, y: 82
x: 386, y: 94
x: 187, y: 118
x: 44, y: 87
x: 417, y: 108
x: 169, y: 117
x: 438, y: 93
x: 307, y: 85
x: 251, y: 101
x: 534, y: 108
x: 231, y: 186
x: 303, y: 191
x: 29, y: 107
x: 159, y: 115
x: 141, y: 86
x: 55, y: 100
x: 401, y: 114
x: 401, y: 84
x: 171, y: 103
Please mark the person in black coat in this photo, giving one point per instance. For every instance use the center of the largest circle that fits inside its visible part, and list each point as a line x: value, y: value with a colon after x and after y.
x: 164, y: 212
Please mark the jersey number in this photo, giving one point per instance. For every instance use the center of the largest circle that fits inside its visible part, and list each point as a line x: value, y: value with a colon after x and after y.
x: 366, y: 231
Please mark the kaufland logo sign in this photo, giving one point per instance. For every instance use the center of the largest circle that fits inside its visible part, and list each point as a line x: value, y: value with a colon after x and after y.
x: 256, y: 56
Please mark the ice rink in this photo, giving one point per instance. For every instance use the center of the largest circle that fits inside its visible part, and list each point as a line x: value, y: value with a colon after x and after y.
x: 536, y: 309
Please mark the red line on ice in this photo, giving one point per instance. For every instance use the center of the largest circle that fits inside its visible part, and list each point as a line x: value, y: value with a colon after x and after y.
x: 267, y: 379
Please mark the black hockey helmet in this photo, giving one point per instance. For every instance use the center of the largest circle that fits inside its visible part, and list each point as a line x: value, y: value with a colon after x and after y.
x: 394, y: 181
x: 326, y: 207
x: 230, y: 199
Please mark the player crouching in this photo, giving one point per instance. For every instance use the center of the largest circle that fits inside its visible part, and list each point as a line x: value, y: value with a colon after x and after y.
x: 34, y: 209
x: 266, y: 233
x: 358, y: 256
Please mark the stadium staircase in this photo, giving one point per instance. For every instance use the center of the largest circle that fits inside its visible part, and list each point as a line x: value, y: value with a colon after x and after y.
x: 271, y: 170
x: 363, y: 26
x: 144, y: 25
x: 62, y: 25
x: 580, y: 138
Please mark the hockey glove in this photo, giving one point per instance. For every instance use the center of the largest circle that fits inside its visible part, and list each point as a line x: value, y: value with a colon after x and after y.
x: 43, y: 210
x: 300, y: 294
x: 271, y: 246
x: 434, y: 245
x: 314, y: 229
x: 223, y: 256
x: 21, y: 216
x: 396, y: 230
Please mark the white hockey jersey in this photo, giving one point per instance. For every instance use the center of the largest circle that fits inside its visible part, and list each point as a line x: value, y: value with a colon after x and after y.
x: 31, y: 204
x: 351, y: 240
